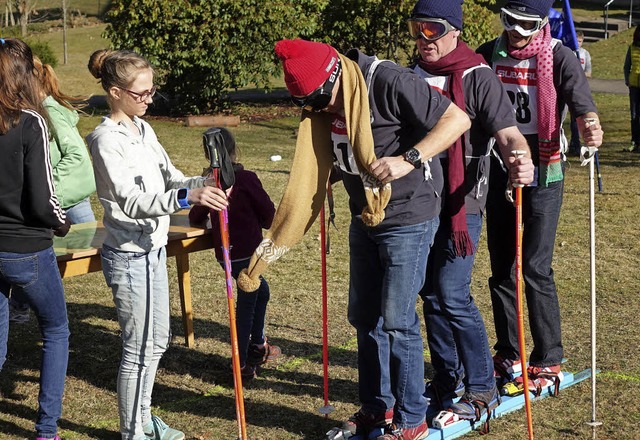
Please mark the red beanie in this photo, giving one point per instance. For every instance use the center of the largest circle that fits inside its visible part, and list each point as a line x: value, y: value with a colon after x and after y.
x: 306, y: 64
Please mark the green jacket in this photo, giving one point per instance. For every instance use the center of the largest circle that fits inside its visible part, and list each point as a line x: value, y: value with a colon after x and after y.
x: 72, y: 168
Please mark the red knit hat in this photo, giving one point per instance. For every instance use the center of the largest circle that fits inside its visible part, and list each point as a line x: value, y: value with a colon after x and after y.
x: 306, y: 64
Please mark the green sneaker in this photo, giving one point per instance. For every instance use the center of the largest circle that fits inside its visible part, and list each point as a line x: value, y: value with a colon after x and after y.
x: 156, y: 429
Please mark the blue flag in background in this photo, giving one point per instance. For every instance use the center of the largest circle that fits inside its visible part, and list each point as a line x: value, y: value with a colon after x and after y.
x: 562, y: 26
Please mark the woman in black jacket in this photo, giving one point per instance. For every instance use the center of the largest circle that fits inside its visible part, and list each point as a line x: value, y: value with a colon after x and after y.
x: 29, y: 215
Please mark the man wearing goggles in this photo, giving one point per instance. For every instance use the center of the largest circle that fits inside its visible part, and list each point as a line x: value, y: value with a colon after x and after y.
x: 526, y: 25
x: 404, y: 124
x: 447, y: 64
x: 543, y: 78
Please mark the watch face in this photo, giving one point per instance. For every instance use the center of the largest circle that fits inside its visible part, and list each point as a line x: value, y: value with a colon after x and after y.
x: 412, y: 155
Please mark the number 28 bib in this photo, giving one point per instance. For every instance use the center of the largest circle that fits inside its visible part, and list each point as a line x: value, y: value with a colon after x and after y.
x: 521, y: 83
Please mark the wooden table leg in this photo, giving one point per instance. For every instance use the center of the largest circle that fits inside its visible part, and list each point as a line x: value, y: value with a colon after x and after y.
x: 184, y: 284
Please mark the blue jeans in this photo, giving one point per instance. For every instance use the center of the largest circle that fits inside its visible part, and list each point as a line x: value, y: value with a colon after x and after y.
x: 141, y: 294
x: 81, y: 213
x: 38, y: 276
x: 387, y: 272
x: 634, y: 106
x: 540, y: 212
x: 251, y: 310
x: 456, y: 333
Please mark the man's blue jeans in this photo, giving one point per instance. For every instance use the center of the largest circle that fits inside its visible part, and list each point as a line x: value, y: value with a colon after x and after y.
x: 140, y: 288
x: 387, y: 272
x: 634, y: 107
x: 39, y: 279
x: 456, y: 333
x: 251, y: 310
x: 540, y: 212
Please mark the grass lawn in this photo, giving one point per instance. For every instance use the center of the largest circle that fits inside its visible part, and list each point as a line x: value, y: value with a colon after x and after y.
x: 194, y: 391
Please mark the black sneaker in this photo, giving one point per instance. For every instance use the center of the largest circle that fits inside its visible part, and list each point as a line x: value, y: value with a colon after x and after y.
x: 473, y: 405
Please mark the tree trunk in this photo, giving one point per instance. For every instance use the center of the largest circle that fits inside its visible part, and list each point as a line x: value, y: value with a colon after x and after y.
x: 64, y: 31
x: 23, y: 9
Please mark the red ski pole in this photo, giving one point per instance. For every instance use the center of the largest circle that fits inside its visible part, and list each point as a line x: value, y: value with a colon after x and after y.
x: 326, y: 409
x: 215, y: 152
x: 223, y: 216
x: 519, y: 303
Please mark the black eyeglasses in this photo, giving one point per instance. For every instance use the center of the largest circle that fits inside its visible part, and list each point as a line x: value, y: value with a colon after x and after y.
x: 320, y: 98
x: 142, y: 97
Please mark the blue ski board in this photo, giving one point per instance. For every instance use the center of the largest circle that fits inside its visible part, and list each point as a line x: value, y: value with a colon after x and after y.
x: 508, y: 405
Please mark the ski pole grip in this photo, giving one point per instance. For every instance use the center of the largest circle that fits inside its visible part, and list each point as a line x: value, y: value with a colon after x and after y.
x: 517, y: 154
x: 210, y: 150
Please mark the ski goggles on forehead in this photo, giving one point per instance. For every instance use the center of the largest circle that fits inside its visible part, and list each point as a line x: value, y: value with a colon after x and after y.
x: 431, y: 29
x: 523, y: 24
x: 320, y: 98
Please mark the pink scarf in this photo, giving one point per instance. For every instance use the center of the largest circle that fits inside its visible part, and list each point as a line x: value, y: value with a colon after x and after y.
x: 550, y: 161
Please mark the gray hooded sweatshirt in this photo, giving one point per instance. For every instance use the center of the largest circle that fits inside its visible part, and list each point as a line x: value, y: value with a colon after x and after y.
x: 137, y: 185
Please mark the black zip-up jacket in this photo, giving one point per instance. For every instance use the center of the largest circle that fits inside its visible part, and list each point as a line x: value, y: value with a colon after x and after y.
x: 29, y: 209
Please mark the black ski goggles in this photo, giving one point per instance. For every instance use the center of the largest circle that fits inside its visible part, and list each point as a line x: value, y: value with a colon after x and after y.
x: 431, y: 29
x: 320, y: 98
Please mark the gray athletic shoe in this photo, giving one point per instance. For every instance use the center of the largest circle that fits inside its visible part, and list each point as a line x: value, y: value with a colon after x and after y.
x: 156, y: 429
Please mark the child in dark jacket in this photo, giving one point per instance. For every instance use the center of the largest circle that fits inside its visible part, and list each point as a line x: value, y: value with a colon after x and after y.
x: 250, y: 210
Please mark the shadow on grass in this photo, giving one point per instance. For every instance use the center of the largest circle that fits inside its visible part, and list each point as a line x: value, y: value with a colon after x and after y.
x: 258, y: 413
x: 28, y: 413
x: 95, y: 349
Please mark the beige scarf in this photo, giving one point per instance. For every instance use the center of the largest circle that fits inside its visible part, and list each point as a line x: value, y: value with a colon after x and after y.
x: 306, y: 190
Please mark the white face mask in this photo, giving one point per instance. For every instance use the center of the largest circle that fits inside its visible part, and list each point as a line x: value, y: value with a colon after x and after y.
x: 525, y: 25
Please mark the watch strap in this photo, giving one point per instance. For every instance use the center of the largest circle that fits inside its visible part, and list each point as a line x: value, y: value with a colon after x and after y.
x: 183, y: 198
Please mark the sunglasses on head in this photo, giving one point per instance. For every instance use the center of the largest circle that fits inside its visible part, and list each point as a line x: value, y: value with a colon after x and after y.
x: 524, y: 25
x: 320, y: 98
x: 431, y: 29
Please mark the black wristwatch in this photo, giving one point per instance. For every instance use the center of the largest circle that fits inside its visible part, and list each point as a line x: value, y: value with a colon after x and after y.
x: 413, y: 156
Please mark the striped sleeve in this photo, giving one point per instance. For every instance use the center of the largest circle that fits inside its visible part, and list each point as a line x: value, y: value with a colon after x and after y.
x: 45, y: 209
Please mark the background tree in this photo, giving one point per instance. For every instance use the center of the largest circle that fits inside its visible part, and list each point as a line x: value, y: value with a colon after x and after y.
x: 25, y: 8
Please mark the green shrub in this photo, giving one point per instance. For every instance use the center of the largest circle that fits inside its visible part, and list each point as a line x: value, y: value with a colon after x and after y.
x: 44, y: 51
x: 379, y: 26
x: 479, y: 22
x: 203, y: 48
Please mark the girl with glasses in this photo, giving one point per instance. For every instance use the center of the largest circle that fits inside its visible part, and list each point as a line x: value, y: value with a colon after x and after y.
x: 138, y: 187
